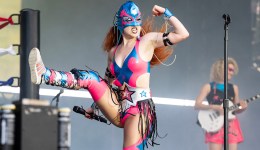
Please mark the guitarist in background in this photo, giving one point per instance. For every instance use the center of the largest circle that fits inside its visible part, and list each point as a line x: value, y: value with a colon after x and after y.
x: 214, y: 93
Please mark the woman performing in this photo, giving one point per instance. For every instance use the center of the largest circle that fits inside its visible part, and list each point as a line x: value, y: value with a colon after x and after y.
x: 214, y: 93
x: 132, y: 49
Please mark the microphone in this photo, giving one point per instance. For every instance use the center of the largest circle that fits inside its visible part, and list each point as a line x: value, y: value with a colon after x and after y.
x: 58, y: 95
x: 80, y: 110
x: 227, y: 18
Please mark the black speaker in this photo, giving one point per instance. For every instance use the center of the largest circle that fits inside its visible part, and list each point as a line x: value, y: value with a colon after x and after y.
x: 36, y: 125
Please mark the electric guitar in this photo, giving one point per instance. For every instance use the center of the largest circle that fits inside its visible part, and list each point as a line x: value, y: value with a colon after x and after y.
x: 212, y: 121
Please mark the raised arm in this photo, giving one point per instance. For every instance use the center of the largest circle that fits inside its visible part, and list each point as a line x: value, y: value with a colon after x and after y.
x: 178, y: 34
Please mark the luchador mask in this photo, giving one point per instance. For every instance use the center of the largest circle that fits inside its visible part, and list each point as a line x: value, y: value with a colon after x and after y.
x: 128, y: 15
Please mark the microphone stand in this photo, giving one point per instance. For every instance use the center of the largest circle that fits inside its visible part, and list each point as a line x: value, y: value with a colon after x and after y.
x: 57, y: 97
x: 226, y: 100
x: 57, y: 101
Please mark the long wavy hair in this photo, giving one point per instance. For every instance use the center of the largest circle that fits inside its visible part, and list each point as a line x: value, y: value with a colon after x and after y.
x: 160, y: 54
x: 217, y: 69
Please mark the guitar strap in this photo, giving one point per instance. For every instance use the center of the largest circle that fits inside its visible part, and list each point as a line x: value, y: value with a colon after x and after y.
x: 215, y: 96
x: 215, y: 88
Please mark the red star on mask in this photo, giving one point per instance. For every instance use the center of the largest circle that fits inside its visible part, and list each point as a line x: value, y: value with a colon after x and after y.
x: 126, y: 94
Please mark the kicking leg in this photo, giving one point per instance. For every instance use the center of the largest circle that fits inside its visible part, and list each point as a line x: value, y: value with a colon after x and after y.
x: 75, y: 79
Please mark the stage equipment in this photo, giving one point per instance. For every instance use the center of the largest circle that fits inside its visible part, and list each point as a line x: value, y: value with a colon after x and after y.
x: 36, y: 125
x: 64, y: 129
x: 7, y: 123
x: 227, y: 20
x: 30, y: 38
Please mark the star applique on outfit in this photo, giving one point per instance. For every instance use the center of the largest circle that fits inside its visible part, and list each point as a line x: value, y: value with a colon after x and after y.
x: 126, y: 94
x: 143, y: 94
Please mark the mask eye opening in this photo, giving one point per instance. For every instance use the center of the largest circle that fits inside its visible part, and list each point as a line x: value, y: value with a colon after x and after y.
x: 127, y: 19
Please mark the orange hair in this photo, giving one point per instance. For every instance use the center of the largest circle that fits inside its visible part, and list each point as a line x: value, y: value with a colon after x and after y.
x: 162, y: 53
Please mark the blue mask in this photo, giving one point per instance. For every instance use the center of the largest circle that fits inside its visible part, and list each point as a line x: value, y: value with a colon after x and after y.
x: 128, y: 15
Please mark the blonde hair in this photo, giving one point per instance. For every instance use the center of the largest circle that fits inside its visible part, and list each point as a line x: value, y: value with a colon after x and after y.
x: 217, y: 69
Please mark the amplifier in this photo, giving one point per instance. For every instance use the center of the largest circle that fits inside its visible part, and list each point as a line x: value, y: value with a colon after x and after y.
x: 36, y: 125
